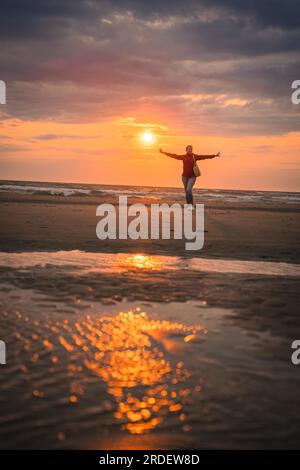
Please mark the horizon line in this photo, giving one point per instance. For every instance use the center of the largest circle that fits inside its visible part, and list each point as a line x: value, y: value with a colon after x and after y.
x: 146, y: 186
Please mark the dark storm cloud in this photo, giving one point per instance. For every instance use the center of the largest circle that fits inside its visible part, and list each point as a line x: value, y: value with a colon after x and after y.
x: 277, y: 13
x: 57, y: 19
x: 31, y: 18
x: 81, y: 60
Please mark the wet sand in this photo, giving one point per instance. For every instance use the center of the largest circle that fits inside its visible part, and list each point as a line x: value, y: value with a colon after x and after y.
x: 234, y: 230
x: 137, y: 350
x: 131, y: 375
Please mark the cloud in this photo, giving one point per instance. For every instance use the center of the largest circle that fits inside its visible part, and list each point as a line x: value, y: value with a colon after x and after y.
x: 75, y: 61
x: 12, y: 148
x: 63, y: 136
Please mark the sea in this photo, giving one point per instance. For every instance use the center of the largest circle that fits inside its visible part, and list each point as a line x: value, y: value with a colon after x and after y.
x: 155, y: 193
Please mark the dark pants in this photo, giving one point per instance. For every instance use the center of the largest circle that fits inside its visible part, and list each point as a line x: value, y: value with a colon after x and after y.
x: 188, y: 184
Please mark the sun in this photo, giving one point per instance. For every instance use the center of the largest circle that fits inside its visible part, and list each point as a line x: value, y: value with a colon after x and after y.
x: 148, y: 137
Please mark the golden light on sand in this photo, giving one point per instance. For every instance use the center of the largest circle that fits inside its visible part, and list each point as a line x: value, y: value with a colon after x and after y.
x: 148, y: 137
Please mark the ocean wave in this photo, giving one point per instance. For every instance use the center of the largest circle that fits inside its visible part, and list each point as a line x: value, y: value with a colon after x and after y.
x: 52, y: 191
x: 159, y: 194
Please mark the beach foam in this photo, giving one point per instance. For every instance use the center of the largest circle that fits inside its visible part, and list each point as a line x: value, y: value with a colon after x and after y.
x: 159, y: 194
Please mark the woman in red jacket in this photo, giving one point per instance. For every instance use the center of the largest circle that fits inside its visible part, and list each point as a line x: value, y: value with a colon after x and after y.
x: 188, y: 176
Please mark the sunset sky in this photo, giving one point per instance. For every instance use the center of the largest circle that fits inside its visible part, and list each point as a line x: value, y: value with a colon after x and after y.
x: 86, y: 79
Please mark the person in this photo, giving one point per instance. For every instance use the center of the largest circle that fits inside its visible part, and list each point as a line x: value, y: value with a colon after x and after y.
x: 188, y: 176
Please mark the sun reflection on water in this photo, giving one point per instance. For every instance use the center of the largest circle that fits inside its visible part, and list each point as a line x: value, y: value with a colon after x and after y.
x: 144, y: 383
x: 126, y: 351
x: 139, y: 261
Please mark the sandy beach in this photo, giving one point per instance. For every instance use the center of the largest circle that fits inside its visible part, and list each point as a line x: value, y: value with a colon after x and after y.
x: 141, y: 344
x: 236, y: 230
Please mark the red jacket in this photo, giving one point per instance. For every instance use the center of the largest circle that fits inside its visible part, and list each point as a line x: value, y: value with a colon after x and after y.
x: 188, y: 161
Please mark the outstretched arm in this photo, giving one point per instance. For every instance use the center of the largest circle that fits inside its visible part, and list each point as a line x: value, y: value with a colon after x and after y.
x: 172, y: 155
x: 206, y: 157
